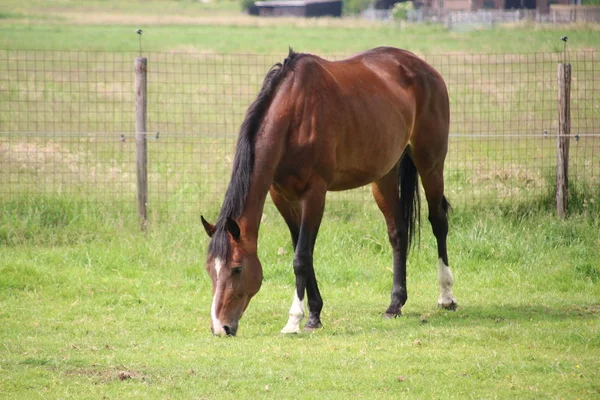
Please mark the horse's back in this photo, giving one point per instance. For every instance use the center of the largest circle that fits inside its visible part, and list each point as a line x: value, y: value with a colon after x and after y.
x: 358, y: 114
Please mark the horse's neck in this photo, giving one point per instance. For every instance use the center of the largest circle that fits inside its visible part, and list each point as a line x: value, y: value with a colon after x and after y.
x: 269, y: 149
x: 262, y: 177
x: 249, y: 221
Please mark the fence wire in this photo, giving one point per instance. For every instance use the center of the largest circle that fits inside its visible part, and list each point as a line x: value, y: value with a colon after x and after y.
x: 67, y: 123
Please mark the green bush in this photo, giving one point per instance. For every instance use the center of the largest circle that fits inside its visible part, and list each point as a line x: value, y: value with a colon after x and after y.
x: 246, y: 4
x: 355, y: 6
x: 400, y: 10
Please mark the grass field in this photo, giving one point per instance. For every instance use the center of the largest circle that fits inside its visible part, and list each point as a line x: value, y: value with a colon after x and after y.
x: 236, y: 38
x: 92, y: 308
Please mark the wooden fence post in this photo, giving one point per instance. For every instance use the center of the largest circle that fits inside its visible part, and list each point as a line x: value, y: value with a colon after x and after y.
x: 141, y: 145
x: 562, y: 139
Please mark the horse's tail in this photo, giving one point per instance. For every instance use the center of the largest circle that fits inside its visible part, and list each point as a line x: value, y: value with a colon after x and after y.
x: 410, y: 201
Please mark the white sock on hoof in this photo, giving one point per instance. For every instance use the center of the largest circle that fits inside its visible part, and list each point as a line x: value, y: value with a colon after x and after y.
x: 445, y: 281
x: 296, y: 315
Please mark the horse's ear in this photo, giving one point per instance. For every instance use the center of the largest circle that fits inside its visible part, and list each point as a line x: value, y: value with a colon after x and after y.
x: 208, y: 227
x: 233, y: 228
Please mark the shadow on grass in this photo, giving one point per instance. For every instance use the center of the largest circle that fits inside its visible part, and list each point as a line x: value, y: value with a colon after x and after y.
x: 519, y: 313
x: 484, y: 317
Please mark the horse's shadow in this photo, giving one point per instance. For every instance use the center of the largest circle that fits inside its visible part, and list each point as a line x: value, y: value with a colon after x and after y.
x: 476, y: 314
x: 483, y: 316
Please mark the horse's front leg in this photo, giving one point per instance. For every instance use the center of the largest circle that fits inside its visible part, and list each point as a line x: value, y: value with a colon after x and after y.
x: 289, y: 208
x: 312, y: 204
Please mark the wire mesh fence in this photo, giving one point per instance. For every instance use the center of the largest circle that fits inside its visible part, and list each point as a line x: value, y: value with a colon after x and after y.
x: 67, y: 122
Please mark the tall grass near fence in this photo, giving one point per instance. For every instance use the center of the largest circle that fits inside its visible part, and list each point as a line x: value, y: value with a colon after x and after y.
x: 61, y: 220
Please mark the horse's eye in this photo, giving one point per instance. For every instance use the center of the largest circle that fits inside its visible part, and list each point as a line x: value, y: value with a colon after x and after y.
x: 236, y: 270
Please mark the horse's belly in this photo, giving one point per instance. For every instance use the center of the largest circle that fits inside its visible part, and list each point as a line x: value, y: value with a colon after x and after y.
x: 363, y: 173
x: 361, y: 161
x: 350, y: 180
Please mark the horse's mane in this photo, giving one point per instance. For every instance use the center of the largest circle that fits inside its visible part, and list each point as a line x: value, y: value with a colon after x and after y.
x: 243, y: 164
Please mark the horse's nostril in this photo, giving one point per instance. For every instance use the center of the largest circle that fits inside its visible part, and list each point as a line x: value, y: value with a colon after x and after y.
x: 227, y: 330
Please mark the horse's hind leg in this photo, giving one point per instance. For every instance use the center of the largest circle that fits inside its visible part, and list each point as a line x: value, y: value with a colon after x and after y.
x: 386, y: 194
x: 438, y: 217
x: 431, y: 169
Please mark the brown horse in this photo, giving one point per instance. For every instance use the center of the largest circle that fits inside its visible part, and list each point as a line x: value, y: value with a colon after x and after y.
x: 380, y: 117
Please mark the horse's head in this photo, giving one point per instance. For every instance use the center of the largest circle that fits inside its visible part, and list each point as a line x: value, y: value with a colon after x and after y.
x: 235, y: 272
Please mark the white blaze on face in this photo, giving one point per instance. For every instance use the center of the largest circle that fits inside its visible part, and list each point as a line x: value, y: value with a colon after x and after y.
x: 216, y: 324
x: 445, y: 281
x: 296, y: 315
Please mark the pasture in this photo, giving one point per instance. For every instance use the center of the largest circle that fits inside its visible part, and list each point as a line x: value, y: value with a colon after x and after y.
x: 90, y: 307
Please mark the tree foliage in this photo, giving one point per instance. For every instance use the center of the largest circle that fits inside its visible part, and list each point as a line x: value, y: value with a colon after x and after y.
x: 400, y: 10
x: 352, y: 7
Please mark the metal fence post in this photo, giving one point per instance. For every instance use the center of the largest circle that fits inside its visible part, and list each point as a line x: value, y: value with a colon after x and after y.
x: 141, y: 144
x: 562, y: 139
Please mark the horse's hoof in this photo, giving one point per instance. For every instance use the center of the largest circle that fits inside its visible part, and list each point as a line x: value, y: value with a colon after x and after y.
x: 290, y: 331
x: 393, y: 311
x: 309, y: 329
x: 311, y: 326
x: 448, y: 306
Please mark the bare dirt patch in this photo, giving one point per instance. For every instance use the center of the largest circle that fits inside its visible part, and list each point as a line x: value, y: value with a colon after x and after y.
x: 107, y: 375
x: 61, y: 164
x: 505, y: 173
x: 30, y: 155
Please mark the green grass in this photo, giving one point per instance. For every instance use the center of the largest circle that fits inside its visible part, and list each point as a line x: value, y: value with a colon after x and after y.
x: 124, y: 315
x: 239, y: 38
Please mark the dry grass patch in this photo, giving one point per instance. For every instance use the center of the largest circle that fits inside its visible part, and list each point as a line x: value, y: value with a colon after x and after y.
x: 212, y: 18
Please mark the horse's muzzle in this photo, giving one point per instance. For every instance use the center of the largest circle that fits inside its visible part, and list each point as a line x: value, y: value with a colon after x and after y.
x: 225, y: 331
x: 229, y: 331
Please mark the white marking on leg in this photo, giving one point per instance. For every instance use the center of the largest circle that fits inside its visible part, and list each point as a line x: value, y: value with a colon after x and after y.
x: 296, y: 315
x: 446, y: 299
x: 216, y: 324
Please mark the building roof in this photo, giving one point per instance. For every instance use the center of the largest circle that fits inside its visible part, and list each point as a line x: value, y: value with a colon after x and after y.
x: 292, y: 3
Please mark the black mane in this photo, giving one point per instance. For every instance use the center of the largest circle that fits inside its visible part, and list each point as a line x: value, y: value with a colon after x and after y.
x: 243, y: 164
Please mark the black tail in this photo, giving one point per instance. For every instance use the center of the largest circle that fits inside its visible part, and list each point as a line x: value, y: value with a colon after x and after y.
x: 410, y: 201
